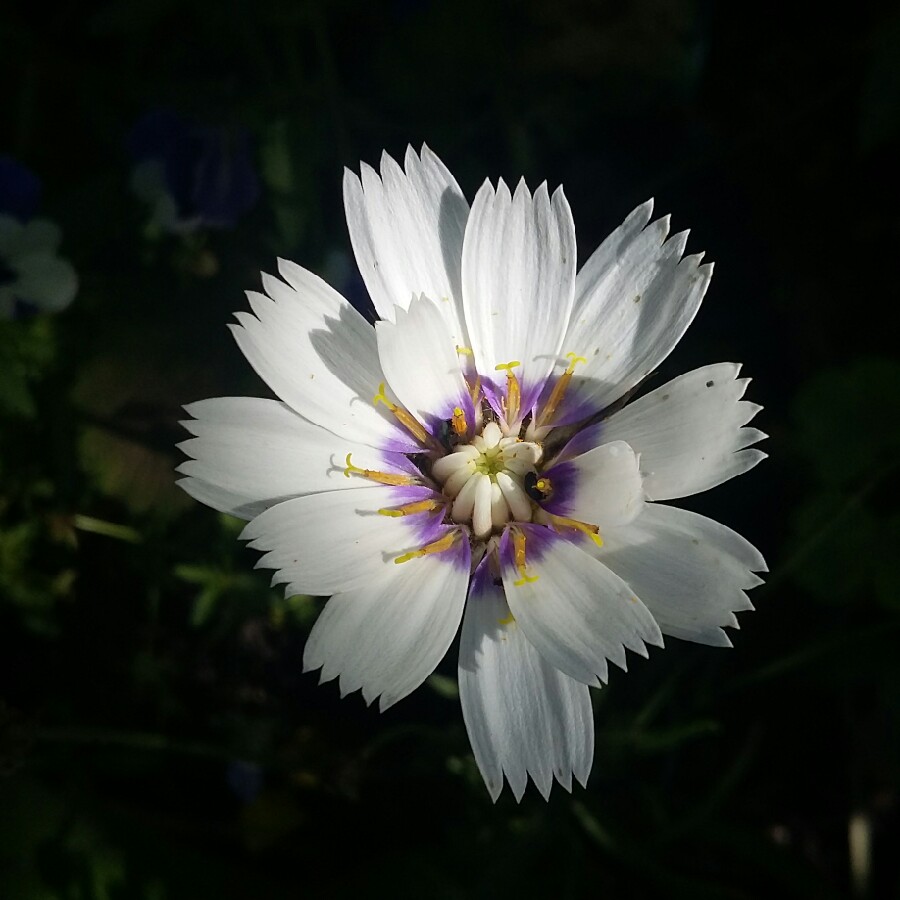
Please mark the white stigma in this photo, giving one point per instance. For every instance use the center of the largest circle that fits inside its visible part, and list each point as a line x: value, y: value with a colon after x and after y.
x: 484, y: 479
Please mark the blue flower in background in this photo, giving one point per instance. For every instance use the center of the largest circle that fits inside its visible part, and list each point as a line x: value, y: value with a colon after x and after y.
x: 192, y: 175
x: 245, y: 779
x: 20, y: 189
x: 32, y: 277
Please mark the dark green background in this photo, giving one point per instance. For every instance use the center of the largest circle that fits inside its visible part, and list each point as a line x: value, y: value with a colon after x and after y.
x: 149, y: 677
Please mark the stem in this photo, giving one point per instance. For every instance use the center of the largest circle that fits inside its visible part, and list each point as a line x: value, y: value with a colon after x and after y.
x: 108, y: 529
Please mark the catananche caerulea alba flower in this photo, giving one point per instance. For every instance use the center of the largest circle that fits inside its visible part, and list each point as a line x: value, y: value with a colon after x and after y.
x: 466, y: 460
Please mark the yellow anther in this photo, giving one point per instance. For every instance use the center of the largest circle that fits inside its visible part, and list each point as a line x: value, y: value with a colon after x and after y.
x: 380, y: 477
x: 439, y: 546
x: 460, y: 425
x: 411, y: 424
x: 513, y: 399
x: 592, y: 531
x: 525, y: 579
x: 543, y: 485
x: 410, y: 509
x: 381, y: 397
x: 559, y: 390
x: 518, y: 539
x: 509, y: 620
x: 465, y: 351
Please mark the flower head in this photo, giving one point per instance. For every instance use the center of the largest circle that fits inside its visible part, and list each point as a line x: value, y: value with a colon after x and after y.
x: 32, y: 277
x: 462, y: 462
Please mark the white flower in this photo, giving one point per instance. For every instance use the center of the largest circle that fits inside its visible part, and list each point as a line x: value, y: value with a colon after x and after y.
x: 461, y: 462
x: 30, y: 271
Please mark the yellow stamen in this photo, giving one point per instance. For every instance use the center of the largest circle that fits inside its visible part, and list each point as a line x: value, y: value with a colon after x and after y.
x: 410, y: 509
x: 559, y: 390
x: 543, y: 485
x: 592, y: 531
x: 412, y: 425
x: 513, y: 391
x: 465, y: 351
x: 475, y: 392
x: 380, y: 477
x: 518, y: 539
x: 509, y: 620
x: 439, y: 546
x: 460, y: 425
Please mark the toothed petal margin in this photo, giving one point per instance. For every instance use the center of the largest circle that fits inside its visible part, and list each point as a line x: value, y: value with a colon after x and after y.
x: 688, y: 432
x: 406, y: 228
x: 337, y: 541
x: 690, y: 571
x: 523, y: 716
x: 578, y: 614
x: 249, y: 453
x: 388, y: 635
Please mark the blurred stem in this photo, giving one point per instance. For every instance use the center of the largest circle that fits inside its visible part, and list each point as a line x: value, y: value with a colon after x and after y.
x: 705, y: 810
x: 809, y: 655
x: 108, y: 529
x: 136, y: 740
x: 816, y: 537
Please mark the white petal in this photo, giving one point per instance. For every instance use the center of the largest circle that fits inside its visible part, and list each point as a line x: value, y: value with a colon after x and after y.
x: 445, y: 466
x: 491, y: 435
x: 634, y: 299
x: 523, y: 716
x: 260, y: 452
x: 49, y: 282
x: 499, y: 506
x: 465, y: 500
x: 420, y: 363
x: 337, y: 541
x: 515, y: 496
x: 518, y: 281
x: 688, y: 432
x: 231, y: 502
x: 577, y: 613
x: 481, y: 514
x: 407, y: 234
x: 603, y: 486
x: 388, y: 635
x: 459, y: 479
x: 690, y: 571
x: 319, y: 355
x: 612, y: 253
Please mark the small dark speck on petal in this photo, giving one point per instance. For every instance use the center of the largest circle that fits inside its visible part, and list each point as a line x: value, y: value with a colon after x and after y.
x: 710, y: 383
x: 637, y: 298
x: 665, y: 396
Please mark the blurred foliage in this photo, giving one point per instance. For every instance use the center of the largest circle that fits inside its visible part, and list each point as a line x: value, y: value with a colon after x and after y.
x: 157, y: 737
x: 848, y: 434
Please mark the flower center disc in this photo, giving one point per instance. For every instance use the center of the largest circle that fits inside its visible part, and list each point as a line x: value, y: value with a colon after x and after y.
x: 484, y: 479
